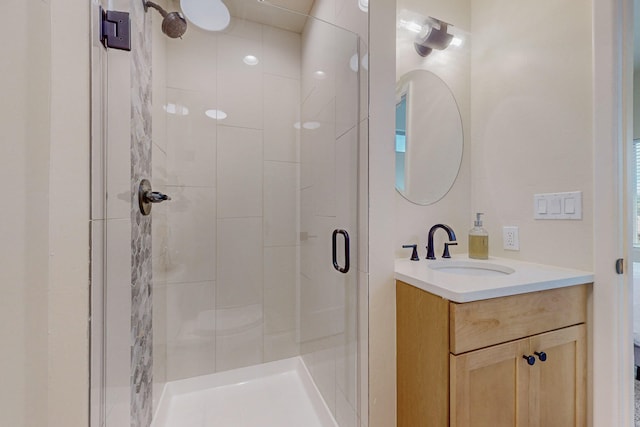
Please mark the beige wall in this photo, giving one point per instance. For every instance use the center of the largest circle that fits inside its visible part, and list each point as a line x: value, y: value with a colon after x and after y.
x: 68, y: 358
x: 382, y: 361
x: 66, y: 316
x: 44, y: 226
x: 527, y: 127
x: 452, y: 66
x: 532, y: 124
x: 24, y: 225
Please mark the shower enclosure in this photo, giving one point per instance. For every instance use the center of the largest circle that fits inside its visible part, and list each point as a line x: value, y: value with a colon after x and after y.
x: 257, y: 133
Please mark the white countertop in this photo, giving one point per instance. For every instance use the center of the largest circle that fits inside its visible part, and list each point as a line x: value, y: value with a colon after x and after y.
x: 527, y: 277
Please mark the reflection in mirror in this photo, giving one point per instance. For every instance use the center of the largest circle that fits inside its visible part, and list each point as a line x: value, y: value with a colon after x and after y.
x: 429, y: 137
x: 401, y: 140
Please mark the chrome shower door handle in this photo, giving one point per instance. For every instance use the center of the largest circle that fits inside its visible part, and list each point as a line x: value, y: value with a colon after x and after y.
x: 146, y: 196
x: 334, y: 251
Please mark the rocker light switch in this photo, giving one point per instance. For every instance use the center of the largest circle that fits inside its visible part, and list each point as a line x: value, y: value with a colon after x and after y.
x: 569, y: 205
x: 558, y: 205
x: 542, y: 206
x: 555, y: 206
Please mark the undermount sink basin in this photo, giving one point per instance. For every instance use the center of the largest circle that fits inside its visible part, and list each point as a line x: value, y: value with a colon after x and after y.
x: 471, y: 268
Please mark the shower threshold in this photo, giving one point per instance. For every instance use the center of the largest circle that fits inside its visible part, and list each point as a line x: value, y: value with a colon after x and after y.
x: 278, y: 394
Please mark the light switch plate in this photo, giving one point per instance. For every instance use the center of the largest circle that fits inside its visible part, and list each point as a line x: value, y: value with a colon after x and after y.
x: 558, y: 205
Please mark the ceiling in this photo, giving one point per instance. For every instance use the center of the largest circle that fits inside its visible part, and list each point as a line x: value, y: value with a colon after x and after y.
x: 301, y: 6
x: 261, y: 12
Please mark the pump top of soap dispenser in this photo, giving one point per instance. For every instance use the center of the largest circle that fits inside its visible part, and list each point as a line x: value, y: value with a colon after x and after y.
x: 478, y: 221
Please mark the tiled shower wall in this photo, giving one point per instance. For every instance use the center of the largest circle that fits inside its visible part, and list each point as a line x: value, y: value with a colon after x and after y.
x: 225, y: 247
x: 236, y: 292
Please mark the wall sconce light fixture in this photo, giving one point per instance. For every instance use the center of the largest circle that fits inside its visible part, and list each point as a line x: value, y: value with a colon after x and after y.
x: 433, y: 35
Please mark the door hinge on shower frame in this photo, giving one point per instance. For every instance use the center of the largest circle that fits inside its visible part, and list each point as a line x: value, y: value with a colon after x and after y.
x: 115, y: 29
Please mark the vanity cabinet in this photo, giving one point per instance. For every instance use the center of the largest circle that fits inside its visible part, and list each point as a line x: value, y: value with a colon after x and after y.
x: 466, y: 364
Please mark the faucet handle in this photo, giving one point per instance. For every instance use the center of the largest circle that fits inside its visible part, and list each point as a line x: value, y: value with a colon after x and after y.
x: 446, y: 254
x: 414, y: 254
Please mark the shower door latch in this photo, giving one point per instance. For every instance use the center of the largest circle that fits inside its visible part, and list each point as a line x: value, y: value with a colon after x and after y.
x: 115, y: 29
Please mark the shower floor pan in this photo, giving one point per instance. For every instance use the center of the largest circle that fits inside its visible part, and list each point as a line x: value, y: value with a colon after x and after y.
x: 275, y: 394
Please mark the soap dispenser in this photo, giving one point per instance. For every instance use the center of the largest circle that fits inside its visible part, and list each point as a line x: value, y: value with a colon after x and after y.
x: 478, y: 240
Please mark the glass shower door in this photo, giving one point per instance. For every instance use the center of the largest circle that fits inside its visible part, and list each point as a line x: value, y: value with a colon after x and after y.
x: 253, y: 132
x: 329, y: 217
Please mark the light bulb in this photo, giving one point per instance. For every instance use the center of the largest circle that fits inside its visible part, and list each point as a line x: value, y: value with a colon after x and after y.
x: 411, y: 26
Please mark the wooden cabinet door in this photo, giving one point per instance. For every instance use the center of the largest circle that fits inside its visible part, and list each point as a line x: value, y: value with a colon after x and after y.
x: 489, y: 387
x: 558, y: 385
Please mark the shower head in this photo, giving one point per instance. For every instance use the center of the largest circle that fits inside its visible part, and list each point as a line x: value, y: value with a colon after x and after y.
x: 173, y: 25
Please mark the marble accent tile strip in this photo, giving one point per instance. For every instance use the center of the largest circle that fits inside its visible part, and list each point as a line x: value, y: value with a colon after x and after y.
x: 141, y: 273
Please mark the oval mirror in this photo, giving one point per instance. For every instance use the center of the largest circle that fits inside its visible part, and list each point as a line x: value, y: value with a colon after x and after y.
x: 429, y: 137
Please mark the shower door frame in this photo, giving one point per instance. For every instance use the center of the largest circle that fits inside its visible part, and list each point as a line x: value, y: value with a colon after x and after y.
x: 110, y: 242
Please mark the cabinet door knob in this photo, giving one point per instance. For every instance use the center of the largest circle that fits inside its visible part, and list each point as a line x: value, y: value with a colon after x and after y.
x: 531, y: 360
x: 541, y: 355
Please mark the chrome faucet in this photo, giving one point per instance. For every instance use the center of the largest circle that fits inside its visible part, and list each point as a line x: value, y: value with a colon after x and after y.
x: 452, y: 238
